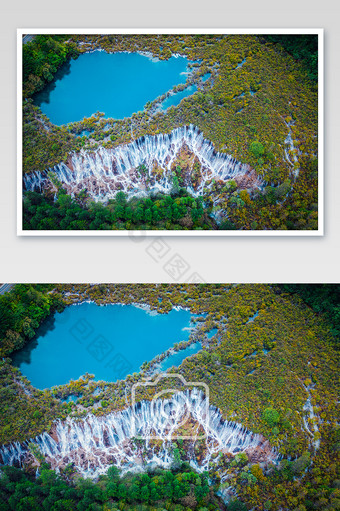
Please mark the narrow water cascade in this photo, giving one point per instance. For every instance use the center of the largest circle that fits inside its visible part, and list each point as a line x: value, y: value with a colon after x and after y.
x: 106, y: 171
x: 95, y: 443
x: 311, y: 427
x: 291, y: 151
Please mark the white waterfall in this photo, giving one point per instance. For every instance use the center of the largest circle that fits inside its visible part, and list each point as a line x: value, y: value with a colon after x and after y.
x: 290, y: 150
x: 308, y: 408
x: 106, y: 171
x: 95, y: 443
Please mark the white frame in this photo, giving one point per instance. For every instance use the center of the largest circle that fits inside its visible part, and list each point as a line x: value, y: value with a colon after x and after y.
x: 317, y: 31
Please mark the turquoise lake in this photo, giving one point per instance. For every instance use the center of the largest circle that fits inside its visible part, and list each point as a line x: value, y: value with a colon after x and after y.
x: 109, y: 341
x: 117, y: 84
x: 175, y: 99
x: 177, y: 358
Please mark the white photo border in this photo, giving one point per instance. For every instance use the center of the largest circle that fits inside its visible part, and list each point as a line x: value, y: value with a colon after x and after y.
x: 226, y: 233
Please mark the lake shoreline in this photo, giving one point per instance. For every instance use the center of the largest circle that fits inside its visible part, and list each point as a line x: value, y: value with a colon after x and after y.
x: 44, y: 103
x: 147, y: 369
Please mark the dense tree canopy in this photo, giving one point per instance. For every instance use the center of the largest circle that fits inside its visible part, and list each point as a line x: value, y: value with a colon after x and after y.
x: 22, y: 311
x: 323, y: 298
x: 42, y: 57
x: 158, y: 212
x: 302, y: 47
x: 174, y: 490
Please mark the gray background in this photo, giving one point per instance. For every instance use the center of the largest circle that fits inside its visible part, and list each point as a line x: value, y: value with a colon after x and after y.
x: 135, y: 259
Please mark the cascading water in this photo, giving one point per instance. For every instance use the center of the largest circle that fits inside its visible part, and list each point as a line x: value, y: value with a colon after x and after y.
x: 106, y: 171
x: 308, y: 408
x: 95, y: 443
x: 290, y: 150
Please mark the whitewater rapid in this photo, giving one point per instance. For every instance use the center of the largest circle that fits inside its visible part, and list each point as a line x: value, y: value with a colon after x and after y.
x: 104, y: 172
x: 94, y: 443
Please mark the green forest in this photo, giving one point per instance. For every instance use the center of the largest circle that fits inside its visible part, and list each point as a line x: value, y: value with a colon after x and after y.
x: 160, y: 212
x: 302, y: 47
x: 22, y: 311
x: 179, y: 210
x: 177, y: 490
x: 275, y: 345
x: 259, y: 86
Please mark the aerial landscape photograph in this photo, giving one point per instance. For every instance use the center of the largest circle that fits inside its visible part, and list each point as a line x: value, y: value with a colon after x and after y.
x: 169, y: 397
x: 191, y: 132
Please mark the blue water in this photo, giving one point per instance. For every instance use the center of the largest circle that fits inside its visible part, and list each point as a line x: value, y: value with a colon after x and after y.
x: 251, y: 319
x: 240, y: 64
x: 70, y: 398
x: 175, y: 99
x: 117, y: 84
x: 211, y: 333
x: 85, y: 133
x: 110, y: 342
x: 177, y: 358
